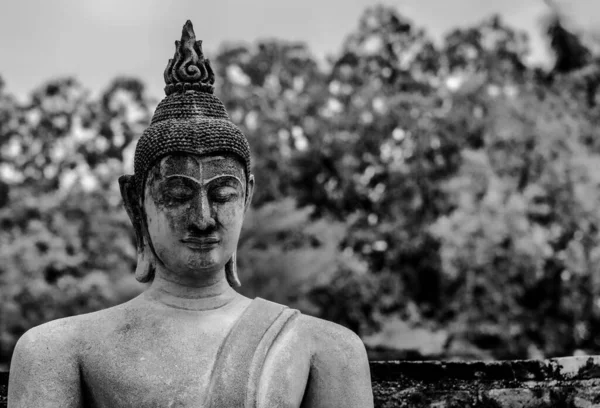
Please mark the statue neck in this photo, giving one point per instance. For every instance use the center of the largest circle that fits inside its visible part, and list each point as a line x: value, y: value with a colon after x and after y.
x: 209, y: 295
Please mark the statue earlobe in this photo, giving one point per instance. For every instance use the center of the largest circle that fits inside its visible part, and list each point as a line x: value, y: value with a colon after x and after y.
x: 231, y: 272
x: 144, y: 271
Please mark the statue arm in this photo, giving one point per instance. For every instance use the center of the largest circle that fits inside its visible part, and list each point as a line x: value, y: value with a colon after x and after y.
x: 44, y: 370
x: 339, y: 375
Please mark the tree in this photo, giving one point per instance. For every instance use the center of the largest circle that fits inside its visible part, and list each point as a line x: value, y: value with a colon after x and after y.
x: 381, y: 153
x: 490, y: 48
x: 518, y: 250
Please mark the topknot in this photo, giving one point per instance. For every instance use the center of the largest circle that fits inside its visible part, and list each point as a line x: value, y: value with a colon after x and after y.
x: 188, y: 69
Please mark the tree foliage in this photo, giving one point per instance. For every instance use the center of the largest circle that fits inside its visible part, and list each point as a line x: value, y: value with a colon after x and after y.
x: 450, y: 188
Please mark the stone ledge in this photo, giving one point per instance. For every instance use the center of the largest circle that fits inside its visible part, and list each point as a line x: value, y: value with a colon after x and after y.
x: 3, y: 388
x: 569, y: 382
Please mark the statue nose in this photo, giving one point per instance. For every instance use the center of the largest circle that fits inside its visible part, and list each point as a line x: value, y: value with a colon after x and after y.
x: 202, y: 217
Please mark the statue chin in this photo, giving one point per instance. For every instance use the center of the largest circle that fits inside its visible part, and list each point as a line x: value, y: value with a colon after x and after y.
x: 185, y: 260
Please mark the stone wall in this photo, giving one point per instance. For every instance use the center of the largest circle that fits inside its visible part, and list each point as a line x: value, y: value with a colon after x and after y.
x: 565, y: 382
x: 569, y: 382
x: 3, y: 388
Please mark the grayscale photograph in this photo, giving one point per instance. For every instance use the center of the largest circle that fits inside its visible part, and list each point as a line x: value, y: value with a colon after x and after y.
x: 318, y: 204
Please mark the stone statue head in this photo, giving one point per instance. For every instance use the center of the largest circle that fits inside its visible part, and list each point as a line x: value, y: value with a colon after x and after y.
x: 192, y: 182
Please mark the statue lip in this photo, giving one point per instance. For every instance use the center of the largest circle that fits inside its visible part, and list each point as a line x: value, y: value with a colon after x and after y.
x: 201, y: 242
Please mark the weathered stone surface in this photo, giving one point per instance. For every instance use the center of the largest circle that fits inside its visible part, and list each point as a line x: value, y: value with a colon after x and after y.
x: 3, y: 388
x: 565, y: 382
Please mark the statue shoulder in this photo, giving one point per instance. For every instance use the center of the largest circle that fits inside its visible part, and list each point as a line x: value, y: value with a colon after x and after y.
x: 56, y: 334
x: 323, y: 335
x: 324, y: 340
x: 61, y: 338
x: 45, y: 358
x: 328, y: 337
x: 340, y: 372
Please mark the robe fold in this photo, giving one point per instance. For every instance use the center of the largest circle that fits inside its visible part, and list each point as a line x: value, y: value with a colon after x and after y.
x: 239, y: 363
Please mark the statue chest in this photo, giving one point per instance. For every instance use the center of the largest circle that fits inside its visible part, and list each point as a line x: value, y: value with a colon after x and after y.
x: 175, y: 373
x: 157, y: 368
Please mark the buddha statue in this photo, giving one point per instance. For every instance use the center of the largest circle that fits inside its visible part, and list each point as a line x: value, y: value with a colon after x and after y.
x: 190, y: 339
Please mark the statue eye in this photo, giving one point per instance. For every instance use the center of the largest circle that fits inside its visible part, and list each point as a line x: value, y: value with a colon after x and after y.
x: 224, y: 194
x: 179, y: 192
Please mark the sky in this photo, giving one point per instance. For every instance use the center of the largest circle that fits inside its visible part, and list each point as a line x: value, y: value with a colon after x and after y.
x: 98, y: 40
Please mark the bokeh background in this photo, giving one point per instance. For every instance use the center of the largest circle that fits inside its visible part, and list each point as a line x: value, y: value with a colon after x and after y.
x: 428, y: 172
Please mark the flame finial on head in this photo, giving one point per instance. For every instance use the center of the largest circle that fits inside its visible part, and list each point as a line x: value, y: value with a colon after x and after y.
x: 189, y: 70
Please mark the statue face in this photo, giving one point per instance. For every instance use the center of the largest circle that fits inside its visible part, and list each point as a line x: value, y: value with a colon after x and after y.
x: 194, y: 209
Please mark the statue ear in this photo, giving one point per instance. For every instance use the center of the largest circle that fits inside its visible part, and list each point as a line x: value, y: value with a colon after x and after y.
x: 249, y: 192
x: 231, y: 266
x: 144, y: 271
